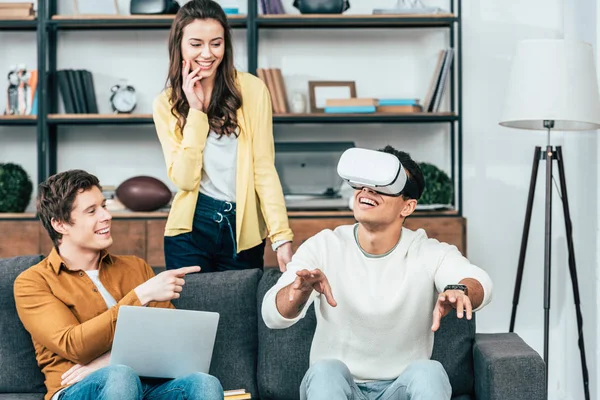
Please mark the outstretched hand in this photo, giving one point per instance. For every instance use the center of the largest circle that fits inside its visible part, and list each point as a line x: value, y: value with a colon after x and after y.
x: 451, y: 299
x: 165, y: 286
x: 307, y: 281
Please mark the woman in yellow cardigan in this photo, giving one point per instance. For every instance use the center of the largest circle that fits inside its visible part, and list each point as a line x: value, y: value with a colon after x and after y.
x: 215, y: 128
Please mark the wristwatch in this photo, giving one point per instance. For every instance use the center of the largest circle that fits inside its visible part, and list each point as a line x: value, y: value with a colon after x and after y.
x: 464, y: 288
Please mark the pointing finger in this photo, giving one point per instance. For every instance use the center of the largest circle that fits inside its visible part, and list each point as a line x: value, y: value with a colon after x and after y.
x: 186, y: 270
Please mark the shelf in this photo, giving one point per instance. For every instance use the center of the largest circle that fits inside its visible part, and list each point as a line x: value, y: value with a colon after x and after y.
x: 364, y: 118
x: 121, y: 22
x: 356, y: 21
x: 17, y: 120
x: 137, y: 119
x: 292, y: 214
x: 99, y: 119
x: 18, y: 24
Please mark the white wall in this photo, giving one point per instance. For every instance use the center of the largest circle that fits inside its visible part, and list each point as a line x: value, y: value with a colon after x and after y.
x: 497, y: 172
x: 497, y: 161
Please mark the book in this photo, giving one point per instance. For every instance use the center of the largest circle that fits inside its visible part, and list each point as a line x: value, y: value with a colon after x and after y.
x: 350, y: 110
x: 351, y: 102
x: 237, y: 394
x: 398, y: 102
x: 399, y: 109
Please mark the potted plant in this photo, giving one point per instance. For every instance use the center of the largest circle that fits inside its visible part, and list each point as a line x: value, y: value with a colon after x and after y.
x: 15, y: 188
x: 438, y: 186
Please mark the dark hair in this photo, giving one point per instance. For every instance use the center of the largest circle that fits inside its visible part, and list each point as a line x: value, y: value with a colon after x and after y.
x: 56, y: 196
x: 226, y: 98
x: 415, y: 175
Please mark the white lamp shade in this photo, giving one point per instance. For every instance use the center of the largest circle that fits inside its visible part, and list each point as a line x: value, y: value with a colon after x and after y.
x: 553, y: 80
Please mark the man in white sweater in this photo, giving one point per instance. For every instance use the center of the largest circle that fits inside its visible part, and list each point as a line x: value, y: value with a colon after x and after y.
x: 379, y: 291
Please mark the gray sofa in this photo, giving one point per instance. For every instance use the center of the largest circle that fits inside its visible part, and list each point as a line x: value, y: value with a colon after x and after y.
x: 271, y: 363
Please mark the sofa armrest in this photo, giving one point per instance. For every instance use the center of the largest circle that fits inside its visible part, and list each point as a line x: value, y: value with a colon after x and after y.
x: 507, y: 368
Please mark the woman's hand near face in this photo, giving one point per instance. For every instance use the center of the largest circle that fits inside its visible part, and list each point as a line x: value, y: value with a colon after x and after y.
x: 192, y: 87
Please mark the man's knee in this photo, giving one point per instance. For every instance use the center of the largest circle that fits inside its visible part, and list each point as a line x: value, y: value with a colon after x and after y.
x: 202, y: 386
x: 122, y: 381
x: 328, y: 368
x: 428, y: 368
x: 326, y: 379
x: 426, y: 376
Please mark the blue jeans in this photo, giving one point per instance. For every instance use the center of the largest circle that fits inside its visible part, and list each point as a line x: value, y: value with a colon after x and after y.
x: 118, y: 382
x: 332, y: 380
x: 211, y: 244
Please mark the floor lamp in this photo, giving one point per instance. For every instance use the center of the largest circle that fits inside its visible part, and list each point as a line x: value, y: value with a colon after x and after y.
x: 553, y: 85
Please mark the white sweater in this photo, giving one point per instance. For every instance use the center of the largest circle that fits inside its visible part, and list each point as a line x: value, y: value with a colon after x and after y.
x: 383, y: 317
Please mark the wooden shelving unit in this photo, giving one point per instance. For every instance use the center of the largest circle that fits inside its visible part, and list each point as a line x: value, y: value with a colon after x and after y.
x: 48, y: 23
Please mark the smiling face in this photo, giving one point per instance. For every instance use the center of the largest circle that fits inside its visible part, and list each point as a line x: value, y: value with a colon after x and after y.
x: 378, y: 211
x: 203, y: 46
x: 89, y: 229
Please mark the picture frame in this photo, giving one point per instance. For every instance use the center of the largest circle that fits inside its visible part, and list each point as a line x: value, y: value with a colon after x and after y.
x: 320, y: 91
x: 99, y: 7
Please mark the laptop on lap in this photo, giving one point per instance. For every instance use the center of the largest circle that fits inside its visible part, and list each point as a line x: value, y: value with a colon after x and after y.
x: 164, y: 343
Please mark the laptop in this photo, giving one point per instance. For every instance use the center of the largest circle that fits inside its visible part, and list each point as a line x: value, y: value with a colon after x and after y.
x: 308, y: 174
x: 164, y: 343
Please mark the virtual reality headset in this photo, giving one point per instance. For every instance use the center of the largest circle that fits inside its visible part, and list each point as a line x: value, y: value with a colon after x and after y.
x: 376, y: 170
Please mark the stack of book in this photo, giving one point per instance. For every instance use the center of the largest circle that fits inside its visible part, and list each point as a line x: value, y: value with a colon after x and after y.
x: 273, y: 78
x: 439, y: 80
x: 16, y: 10
x: 239, y: 394
x: 272, y: 7
x: 76, y: 87
x: 358, y: 105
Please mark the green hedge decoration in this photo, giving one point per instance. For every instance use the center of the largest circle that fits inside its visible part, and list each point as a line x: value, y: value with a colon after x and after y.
x: 15, y: 188
x: 438, y: 186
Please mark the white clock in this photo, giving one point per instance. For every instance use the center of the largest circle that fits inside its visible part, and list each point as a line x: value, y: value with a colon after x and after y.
x: 123, y: 98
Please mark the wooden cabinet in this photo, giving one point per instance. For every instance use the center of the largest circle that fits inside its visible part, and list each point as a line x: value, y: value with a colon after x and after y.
x: 143, y: 237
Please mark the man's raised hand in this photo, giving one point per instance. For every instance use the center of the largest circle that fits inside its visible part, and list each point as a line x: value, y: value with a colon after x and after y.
x: 307, y: 281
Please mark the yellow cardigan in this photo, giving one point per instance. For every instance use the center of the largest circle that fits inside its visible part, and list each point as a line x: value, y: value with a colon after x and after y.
x: 259, y: 196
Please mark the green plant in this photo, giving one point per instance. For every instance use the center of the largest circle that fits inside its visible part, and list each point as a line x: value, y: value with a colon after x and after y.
x: 15, y: 188
x: 438, y: 186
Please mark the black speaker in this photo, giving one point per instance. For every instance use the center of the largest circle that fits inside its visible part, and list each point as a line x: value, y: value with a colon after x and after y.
x: 153, y: 7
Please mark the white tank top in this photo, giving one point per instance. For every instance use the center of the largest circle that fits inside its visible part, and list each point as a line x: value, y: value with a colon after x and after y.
x: 219, y: 167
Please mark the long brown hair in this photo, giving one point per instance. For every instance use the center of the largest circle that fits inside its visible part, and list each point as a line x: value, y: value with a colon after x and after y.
x: 226, y: 98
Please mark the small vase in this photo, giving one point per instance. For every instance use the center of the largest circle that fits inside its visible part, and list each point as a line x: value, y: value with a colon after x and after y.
x: 298, y: 103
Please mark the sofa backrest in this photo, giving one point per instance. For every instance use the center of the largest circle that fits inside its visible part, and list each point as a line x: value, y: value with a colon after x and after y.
x: 283, y: 355
x: 19, y: 372
x: 233, y: 295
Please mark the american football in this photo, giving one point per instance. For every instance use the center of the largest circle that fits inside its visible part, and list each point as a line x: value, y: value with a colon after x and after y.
x: 143, y: 193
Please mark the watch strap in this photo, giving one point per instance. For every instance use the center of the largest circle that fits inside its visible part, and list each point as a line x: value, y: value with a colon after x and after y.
x: 464, y: 288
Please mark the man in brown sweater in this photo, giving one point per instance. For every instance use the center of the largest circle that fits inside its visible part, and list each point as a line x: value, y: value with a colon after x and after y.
x: 69, y: 302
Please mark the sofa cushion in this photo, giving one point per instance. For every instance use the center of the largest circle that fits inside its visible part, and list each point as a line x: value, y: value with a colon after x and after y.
x: 233, y: 295
x: 20, y: 372
x: 453, y: 347
x: 284, y: 354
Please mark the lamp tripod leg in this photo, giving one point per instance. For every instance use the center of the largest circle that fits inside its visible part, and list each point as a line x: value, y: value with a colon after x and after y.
x: 549, y: 157
x: 572, y: 269
x: 525, y: 237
